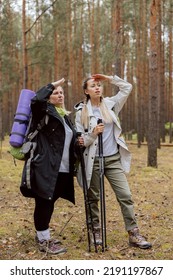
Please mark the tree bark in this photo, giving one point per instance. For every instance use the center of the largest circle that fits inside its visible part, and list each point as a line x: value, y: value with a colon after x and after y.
x: 24, y: 47
x: 153, y: 86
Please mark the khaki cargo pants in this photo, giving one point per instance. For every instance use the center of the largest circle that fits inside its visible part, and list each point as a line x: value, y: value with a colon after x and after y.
x: 118, y: 181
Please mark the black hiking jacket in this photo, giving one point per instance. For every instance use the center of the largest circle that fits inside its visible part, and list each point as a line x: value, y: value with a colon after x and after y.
x: 47, y: 156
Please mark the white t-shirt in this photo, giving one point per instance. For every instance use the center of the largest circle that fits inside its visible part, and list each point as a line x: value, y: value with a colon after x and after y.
x: 109, y: 143
x: 64, y: 167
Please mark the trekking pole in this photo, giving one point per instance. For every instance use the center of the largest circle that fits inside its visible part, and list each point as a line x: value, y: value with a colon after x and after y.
x: 102, y: 190
x: 86, y: 199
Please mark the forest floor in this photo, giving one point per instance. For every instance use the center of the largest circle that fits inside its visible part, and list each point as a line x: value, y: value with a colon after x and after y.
x: 152, y: 191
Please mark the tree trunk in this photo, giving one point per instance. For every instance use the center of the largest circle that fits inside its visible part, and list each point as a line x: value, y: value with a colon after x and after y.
x: 153, y: 86
x: 170, y: 79
x: 24, y: 48
x: 117, y: 31
x: 91, y: 22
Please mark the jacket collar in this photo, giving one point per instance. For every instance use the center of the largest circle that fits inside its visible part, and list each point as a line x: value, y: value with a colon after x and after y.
x: 109, y: 103
x: 53, y: 112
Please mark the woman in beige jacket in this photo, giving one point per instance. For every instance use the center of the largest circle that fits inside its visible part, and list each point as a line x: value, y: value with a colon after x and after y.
x: 116, y: 155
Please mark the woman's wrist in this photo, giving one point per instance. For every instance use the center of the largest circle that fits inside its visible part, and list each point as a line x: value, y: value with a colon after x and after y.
x: 50, y: 86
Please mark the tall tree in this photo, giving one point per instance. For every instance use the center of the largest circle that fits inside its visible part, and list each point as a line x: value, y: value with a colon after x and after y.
x: 24, y: 47
x: 117, y: 32
x: 170, y: 76
x: 153, y: 85
x: 91, y: 11
x: 1, y: 115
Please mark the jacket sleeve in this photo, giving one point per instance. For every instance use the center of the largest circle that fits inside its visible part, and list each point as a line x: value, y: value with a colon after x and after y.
x: 121, y: 97
x: 39, y: 102
x: 44, y: 92
x: 88, y: 137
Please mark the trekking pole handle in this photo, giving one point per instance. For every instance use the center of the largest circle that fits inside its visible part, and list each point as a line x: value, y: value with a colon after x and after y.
x: 78, y: 134
x: 100, y: 140
x: 99, y: 121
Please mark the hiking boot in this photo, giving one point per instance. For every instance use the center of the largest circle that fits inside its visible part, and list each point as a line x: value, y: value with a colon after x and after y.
x: 50, y: 247
x: 55, y: 241
x: 98, y: 239
x: 137, y: 240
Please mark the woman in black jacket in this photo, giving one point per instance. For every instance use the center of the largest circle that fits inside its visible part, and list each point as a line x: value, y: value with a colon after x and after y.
x: 52, y: 166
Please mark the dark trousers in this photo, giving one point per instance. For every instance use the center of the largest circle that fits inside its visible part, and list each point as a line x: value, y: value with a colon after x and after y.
x: 44, y: 208
x: 43, y: 213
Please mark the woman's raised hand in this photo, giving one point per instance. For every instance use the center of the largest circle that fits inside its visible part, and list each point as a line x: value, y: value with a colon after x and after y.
x: 58, y: 83
x: 101, y: 77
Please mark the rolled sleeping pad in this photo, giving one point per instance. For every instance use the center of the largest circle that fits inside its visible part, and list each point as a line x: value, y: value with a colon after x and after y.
x: 21, y: 118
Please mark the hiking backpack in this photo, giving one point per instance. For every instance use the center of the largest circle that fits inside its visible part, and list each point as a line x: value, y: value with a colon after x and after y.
x: 21, y: 118
x: 20, y: 140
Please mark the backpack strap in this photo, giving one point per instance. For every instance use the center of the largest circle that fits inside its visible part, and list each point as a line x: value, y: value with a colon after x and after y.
x: 32, y: 149
x: 43, y: 122
x: 28, y: 165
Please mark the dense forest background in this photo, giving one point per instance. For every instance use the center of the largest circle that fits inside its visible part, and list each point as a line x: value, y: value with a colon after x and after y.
x: 44, y: 40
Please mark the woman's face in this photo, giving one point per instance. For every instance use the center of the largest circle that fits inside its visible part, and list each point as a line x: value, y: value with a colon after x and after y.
x: 94, y: 89
x: 57, y: 97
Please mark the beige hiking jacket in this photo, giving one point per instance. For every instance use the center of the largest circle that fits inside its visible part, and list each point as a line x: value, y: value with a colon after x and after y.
x: 114, y: 104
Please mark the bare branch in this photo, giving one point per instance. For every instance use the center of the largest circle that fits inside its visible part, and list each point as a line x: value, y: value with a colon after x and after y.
x: 39, y: 17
